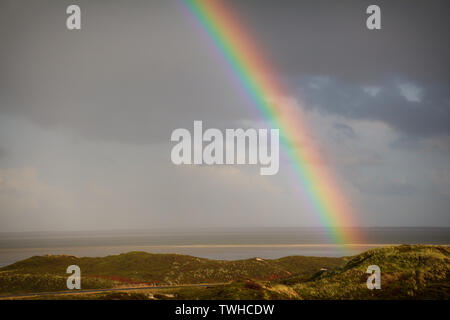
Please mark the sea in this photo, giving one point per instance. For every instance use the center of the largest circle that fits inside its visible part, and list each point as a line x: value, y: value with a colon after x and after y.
x: 212, y: 243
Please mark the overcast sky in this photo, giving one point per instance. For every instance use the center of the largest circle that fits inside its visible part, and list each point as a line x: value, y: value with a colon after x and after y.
x: 86, y: 116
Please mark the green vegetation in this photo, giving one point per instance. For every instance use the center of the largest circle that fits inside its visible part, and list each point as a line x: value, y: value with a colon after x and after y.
x: 408, y: 272
x: 48, y: 273
x: 11, y: 282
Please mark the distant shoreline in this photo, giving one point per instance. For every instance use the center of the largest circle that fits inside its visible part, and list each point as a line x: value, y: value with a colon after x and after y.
x: 209, y: 251
x: 220, y: 246
x: 187, y: 246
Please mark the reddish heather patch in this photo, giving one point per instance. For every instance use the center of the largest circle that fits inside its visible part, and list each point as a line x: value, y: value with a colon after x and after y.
x: 126, y: 280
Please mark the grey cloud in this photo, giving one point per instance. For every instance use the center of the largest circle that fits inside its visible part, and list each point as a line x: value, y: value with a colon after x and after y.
x: 90, y: 113
x: 330, y: 37
x: 344, y: 131
x: 428, y: 117
x: 135, y: 74
x: 386, y: 187
x: 131, y: 74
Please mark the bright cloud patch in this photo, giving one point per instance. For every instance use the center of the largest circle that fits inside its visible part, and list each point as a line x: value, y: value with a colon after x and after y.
x: 411, y: 92
x: 372, y: 90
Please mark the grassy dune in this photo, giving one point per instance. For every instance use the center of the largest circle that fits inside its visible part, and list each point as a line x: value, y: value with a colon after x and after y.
x: 408, y: 272
x: 48, y: 273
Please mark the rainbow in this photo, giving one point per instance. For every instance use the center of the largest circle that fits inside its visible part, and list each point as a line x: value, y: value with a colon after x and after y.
x: 258, y: 80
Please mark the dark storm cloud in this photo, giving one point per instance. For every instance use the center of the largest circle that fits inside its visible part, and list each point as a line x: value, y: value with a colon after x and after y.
x: 425, y: 115
x: 330, y: 37
x: 86, y: 116
x: 134, y: 73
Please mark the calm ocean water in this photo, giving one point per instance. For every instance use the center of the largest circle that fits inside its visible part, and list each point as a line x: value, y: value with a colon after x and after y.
x: 228, y: 244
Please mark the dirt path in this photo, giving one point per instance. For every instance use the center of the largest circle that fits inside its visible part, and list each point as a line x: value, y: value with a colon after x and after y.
x: 90, y: 291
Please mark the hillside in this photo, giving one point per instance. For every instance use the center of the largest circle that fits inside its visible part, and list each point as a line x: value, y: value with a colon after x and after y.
x: 407, y: 272
x: 48, y: 273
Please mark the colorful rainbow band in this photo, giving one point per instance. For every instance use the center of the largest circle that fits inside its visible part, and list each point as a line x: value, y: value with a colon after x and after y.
x: 256, y: 76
